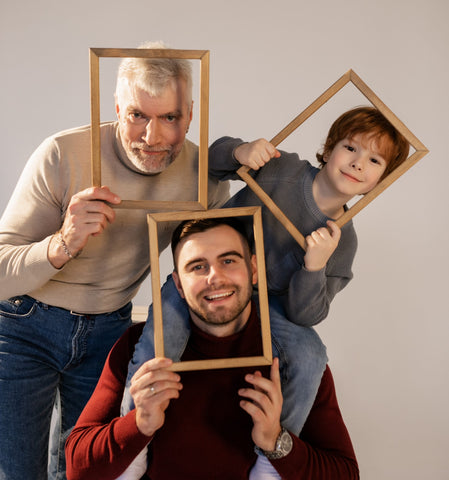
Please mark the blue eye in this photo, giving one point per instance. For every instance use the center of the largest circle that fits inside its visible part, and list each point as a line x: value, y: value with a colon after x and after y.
x: 171, y: 118
x: 137, y: 118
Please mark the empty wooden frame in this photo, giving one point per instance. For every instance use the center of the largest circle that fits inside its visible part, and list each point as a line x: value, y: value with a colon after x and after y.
x: 350, y: 76
x: 203, y: 55
x: 256, y: 213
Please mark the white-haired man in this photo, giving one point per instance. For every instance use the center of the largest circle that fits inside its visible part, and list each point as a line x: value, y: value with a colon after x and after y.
x: 70, y: 263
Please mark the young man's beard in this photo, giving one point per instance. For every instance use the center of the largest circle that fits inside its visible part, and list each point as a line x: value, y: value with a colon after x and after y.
x: 224, y: 315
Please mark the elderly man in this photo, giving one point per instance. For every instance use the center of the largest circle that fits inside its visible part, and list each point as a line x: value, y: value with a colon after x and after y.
x: 209, y: 423
x: 70, y: 263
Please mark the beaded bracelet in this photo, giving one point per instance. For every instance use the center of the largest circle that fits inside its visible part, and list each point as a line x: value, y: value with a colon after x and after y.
x: 61, y: 241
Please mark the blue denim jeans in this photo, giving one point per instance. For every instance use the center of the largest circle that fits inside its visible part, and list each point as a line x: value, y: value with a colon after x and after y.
x: 45, y: 351
x: 302, y: 355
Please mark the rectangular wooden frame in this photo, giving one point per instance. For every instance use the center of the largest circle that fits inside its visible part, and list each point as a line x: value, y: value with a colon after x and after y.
x: 203, y: 55
x: 256, y: 213
x: 349, y: 76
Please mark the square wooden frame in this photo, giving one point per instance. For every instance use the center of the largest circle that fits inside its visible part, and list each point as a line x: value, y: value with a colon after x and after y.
x: 256, y: 212
x: 349, y: 76
x: 203, y: 55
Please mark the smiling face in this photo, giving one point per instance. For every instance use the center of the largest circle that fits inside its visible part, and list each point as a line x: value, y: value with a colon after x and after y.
x: 354, y: 167
x: 153, y: 128
x: 215, y: 273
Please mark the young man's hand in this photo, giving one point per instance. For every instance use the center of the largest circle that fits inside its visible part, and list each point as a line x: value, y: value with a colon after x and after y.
x: 320, y: 245
x: 256, y: 154
x: 264, y: 404
x: 152, y: 388
x: 88, y: 214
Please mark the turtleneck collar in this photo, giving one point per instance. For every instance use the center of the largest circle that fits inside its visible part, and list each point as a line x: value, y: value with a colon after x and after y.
x: 246, y: 342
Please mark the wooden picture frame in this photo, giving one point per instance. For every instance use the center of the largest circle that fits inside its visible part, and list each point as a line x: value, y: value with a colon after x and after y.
x: 256, y: 212
x: 203, y: 55
x: 349, y: 76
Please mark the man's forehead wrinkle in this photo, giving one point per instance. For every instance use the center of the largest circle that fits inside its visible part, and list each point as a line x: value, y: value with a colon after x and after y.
x: 134, y: 105
x: 131, y: 92
x: 134, y: 108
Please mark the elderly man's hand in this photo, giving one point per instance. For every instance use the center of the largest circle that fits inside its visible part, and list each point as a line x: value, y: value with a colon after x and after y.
x: 152, y: 388
x: 88, y: 214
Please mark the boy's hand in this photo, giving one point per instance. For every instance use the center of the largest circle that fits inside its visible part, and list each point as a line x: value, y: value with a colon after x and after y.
x: 264, y: 404
x: 152, y: 388
x: 256, y: 154
x: 320, y: 245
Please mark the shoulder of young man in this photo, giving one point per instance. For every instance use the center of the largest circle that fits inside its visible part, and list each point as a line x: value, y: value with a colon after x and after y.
x: 123, y: 349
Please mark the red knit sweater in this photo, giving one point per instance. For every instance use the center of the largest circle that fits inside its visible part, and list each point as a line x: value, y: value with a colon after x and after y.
x: 206, y: 435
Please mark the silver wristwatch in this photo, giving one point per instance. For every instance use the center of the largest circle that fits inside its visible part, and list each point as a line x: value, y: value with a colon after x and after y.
x: 282, y: 448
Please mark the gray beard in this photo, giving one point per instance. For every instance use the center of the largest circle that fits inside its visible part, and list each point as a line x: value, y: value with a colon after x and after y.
x: 150, y: 169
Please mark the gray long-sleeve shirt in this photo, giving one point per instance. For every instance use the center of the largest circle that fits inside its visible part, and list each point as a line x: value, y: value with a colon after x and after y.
x: 305, y: 295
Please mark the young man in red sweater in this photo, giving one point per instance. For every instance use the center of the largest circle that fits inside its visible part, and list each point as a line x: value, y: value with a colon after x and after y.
x: 209, y: 423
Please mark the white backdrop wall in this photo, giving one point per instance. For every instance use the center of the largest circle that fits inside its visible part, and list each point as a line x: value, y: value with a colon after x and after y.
x: 387, y: 332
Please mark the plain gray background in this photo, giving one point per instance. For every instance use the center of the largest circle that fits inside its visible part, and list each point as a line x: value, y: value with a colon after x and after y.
x: 387, y: 332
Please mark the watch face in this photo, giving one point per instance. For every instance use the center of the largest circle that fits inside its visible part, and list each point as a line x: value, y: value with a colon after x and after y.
x: 286, y: 442
x: 284, y: 445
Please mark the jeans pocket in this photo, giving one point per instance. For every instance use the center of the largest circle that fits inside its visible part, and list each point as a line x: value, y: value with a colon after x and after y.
x: 18, y: 307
